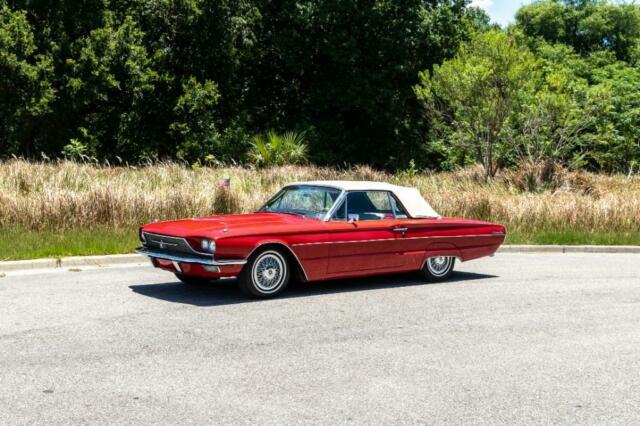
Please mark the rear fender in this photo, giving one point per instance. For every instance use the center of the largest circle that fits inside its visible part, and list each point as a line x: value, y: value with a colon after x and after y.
x: 442, y: 249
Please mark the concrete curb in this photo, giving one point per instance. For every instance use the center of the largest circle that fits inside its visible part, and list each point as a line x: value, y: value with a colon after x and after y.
x: 72, y: 262
x: 123, y: 259
x: 568, y: 249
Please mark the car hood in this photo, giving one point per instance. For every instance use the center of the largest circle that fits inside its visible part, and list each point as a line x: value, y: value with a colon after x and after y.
x: 233, y: 224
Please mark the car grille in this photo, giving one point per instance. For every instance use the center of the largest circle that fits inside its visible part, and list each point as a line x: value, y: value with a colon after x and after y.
x: 167, y: 244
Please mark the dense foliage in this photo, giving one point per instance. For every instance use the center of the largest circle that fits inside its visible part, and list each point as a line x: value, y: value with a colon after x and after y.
x: 561, y: 85
x: 196, y: 79
x: 389, y: 83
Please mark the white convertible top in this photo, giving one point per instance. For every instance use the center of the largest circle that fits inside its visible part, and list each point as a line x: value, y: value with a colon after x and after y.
x: 416, y: 206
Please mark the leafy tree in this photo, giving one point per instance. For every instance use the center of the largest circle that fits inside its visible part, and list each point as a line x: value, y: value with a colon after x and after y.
x: 57, y: 26
x: 192, y: 79
x: 615, y: 144
x: 111, y: 83
x: 584, y: 112
x: 347, y: 69
x: 195, y: 129
x: 476, y: 92
x: 211, y: 40
x: 25, y: 89
x: 553, y: 116
x: 586, y: 25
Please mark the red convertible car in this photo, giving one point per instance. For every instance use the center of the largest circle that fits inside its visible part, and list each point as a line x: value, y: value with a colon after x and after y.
x: 319, y: 231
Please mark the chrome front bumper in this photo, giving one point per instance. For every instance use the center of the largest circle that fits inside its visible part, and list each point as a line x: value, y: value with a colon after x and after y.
x: 188, y: 259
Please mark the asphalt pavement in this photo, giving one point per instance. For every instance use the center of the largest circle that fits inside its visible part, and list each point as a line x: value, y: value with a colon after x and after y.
x: 513, y: 339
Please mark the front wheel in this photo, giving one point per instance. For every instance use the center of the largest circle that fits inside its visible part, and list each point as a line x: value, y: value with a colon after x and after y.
x: 438, y: 268
x: 266, y: 274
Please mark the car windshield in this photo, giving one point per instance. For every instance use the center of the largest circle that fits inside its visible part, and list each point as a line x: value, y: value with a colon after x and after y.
x: 303, y: 200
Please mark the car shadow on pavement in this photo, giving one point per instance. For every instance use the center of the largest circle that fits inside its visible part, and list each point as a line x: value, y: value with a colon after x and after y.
x: 226, y: 292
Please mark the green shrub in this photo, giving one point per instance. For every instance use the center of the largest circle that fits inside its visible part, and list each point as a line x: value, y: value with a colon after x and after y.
x: 274, y: 149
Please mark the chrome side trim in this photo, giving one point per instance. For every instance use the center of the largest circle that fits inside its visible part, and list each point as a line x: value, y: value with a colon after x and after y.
x: 393, y: 239
x: 188, y: 259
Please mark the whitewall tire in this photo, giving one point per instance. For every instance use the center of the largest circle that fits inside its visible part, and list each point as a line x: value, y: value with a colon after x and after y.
x: 266, y: 274
x: 438, y: 268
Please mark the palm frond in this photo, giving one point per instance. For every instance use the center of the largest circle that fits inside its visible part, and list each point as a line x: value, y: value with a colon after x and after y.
x: 275, y: 149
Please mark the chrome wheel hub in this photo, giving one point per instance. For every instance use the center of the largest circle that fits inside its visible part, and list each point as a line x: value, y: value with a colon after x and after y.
x: 269, y: 274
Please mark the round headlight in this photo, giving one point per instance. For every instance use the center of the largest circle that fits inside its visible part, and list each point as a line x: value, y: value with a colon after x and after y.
x: 208, y: 245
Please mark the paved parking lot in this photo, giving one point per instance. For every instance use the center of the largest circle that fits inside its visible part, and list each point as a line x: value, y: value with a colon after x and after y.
x: 511, y: 339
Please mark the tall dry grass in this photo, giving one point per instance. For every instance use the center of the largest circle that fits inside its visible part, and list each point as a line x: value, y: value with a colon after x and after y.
x: 70, y: 195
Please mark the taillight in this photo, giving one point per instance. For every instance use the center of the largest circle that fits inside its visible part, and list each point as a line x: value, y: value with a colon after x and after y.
x: 500, y: 230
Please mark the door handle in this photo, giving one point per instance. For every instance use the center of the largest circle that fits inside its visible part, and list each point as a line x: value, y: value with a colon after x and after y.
x: 403, y: 230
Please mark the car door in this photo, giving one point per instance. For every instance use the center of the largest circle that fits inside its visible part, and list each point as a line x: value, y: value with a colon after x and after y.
x: 363, y: 235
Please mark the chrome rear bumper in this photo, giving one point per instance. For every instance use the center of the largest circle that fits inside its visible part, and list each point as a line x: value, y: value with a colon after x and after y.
x: 184, y: 258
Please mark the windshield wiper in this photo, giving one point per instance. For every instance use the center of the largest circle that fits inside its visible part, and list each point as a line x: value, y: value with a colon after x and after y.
x: 283, y: 212
x: 293, y: 213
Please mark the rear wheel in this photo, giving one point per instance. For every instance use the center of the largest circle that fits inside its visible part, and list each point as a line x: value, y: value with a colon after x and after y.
x: 194, y: 281
x: 266, y: 274
x: 438, y: 268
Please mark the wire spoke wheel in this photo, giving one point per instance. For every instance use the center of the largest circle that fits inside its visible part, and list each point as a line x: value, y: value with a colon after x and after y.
x: 438, y: 268
x: 268, y: 273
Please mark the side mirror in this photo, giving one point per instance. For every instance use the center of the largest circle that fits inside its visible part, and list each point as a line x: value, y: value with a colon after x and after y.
x: 353, y: 217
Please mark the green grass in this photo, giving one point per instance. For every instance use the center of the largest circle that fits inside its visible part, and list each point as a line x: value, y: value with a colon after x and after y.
x: 18, y: 243
x: 570, y: 237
